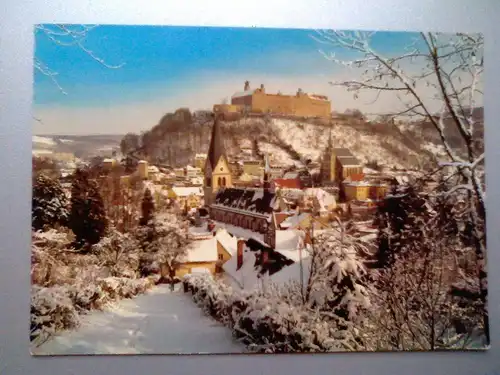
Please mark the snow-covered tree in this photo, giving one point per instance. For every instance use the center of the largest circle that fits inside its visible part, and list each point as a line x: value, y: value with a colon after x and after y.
x: 337, y: 276
x: 49, y: 203
x: 396, y: 219
x: 439, y: 79
x: 87, y: 217
x: 165, y: 242
x: 119, y: 252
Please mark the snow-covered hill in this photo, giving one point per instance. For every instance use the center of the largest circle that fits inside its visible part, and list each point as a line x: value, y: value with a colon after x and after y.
x: 283, y: 139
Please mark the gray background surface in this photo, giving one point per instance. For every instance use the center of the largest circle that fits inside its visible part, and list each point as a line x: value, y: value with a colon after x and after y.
x: 16, y: 70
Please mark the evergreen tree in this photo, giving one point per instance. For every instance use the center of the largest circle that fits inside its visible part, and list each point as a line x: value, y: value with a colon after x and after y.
x: 397, y: 220
x: 88, y: 217
x: 49, y: 203
x: 338, y: 276
x: 147, y: 208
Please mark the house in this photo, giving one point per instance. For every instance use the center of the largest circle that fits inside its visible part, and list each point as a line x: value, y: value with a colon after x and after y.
x: 192, y: 171
x: 319, y: 200
x: 200, y: 160
x: 363, y: 191
x: 186, y: 197
x: 253, y: 168
x: 202, y: 254
x: 226, y: 247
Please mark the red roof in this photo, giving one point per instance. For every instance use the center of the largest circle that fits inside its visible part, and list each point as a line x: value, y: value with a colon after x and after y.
x: 289, y: 183
x: 356, y: 177
x: 280, y: 217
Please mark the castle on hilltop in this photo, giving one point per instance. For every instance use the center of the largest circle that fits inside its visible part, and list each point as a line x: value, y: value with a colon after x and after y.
x: 257, y: 101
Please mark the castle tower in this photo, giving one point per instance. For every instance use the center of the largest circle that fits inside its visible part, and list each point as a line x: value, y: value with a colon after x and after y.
x: 217, y: 170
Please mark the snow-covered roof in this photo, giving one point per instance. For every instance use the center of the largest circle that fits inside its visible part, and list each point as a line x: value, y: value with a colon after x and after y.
x: 239, y: 232
x: 289, y: 243
x: 243, y: 93
x: 202, y: 251
x: 324, y: 198
x: 187, y: 191
x: 227, y: 241
x: 153, y: 169
x: 200, y: 156
x: 292, y: 273
x: 191, y: 168
x: 108, y: 161
x: 247, y: 276
x: 293, y: 221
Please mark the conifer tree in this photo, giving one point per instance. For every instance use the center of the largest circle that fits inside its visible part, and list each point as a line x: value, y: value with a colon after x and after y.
x: 147, y: 208
x: 88, y: 217
x: 49, y: 203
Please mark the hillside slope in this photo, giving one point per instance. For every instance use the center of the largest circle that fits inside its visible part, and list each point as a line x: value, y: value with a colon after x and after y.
x: 287, y: 141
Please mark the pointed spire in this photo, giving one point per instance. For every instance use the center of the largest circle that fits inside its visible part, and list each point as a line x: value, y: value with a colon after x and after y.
x: 216, y: 149
x: 267, y: 172
x: 267, y: 167
x: 330, y: 140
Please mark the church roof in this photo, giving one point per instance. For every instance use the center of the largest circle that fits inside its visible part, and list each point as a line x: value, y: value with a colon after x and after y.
x: 250, y: 200
x: 216, y: 148
x: 342, y: 152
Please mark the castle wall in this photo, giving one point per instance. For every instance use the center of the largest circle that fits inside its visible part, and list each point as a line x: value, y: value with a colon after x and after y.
x: 301, y: 105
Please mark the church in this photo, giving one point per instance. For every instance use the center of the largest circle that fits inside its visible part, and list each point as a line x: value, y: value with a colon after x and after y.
x: 247, y: 208
x: 244, y: 212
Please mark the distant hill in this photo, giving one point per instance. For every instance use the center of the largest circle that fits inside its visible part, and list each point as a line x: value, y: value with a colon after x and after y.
x: 178, y: 137
x: 83, y: 146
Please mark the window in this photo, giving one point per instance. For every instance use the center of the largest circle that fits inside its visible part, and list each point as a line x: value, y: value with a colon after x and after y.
x: 221, y: 169
x: 223, y: 181
x: 219, y: 181
x: 221, y: 257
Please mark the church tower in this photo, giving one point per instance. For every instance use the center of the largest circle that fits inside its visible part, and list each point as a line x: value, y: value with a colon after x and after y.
x: 328, y: 162
x: 267, y: 174
x: 217, y: 170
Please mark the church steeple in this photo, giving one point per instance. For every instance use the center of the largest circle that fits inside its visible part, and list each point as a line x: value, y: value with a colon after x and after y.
x: 267, y: 173
x: 217, y: 170
x: 216, y: 149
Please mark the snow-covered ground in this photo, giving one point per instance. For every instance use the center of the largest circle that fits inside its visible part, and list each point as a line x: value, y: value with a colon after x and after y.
x: 159, y: 322
x: 43, y: 140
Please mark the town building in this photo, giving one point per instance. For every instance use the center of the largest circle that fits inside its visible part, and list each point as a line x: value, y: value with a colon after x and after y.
x: 258, y: 101
x: 253, y: 167
x: 200, y: 160
x: 186, y: 197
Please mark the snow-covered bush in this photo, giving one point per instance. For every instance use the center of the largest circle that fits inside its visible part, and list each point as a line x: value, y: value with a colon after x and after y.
x: 52, y: 310
x: 264, y: 321
x: 57, y: 308
x: 66, y: 282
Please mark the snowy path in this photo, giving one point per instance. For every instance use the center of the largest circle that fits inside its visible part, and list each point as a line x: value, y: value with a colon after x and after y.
x: 159, y: 322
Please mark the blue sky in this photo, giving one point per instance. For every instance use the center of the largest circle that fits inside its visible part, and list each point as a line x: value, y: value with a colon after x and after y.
x: 169, y: 67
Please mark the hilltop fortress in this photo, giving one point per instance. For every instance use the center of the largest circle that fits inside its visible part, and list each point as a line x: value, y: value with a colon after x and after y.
x: 257, y: 101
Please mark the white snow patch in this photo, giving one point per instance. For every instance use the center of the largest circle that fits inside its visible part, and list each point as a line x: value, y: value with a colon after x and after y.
x: 158, y: 322
x: 43, y: 140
